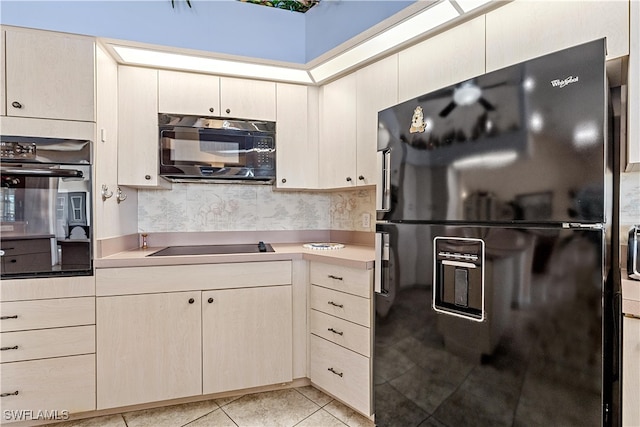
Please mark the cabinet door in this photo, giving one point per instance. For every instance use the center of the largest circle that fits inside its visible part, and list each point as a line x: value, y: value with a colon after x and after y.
x: 50, y: 75
x: 633, y: 100
x: 148, y: 348
x: 247, y: 338
x: 297, y: 153
x: 523, y: 30
x: 3, y: 92
x: 377, y: 89
x: 448, y: 58
x: 337, y: 153
x: 631, y: 371
x: 138, y: 128
x: 188, y: 93
x: 248, y: 99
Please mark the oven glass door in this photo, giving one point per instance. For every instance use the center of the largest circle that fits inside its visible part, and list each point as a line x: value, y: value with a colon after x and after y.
x: 45, y: 220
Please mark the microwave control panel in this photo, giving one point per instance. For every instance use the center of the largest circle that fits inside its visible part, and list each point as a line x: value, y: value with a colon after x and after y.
x: 17, y: 151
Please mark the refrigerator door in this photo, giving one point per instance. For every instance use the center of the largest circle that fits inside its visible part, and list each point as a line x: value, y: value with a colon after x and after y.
x: 524, y: 144
x: 536, y: 358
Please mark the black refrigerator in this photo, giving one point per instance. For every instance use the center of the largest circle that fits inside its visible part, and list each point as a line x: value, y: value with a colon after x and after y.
x: 495, y: 300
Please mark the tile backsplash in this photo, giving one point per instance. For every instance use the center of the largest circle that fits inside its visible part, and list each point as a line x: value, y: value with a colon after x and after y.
x: 202, y: 207
x: 629, y: 203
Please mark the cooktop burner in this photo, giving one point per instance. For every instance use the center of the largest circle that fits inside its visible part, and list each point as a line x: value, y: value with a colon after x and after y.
x: 214, y: 249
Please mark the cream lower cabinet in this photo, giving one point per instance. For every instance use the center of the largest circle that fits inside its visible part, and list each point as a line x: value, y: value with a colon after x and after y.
x: 148, y: 348
x: 188, y: 330
x: 340, y: 326
x: 247, y: 338
x: 630, y: 371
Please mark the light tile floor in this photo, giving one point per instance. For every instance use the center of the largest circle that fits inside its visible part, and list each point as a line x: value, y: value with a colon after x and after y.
x: 300, y: 407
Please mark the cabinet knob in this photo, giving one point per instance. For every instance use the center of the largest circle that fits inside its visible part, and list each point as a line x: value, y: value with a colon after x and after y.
x: 191, y: 300
x: 361, y: 178
x: 15, y: 347
x: 284, y: 180
x: 210, y: 300
x: 211, y: 110
x: 228, y: 110
x: 147, y: 177
x: 15, y: 393
x: 16, y: 104
x: 15, y: 316
x: 348, y: 179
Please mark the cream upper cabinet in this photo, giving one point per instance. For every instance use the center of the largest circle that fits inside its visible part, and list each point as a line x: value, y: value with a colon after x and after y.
x: 296, y: 136
x: 448, y: 58
x: 49, y: 75
x: 633, y: 102
x: 377, y: 89
x: 630, y: 371
x: 338, y: 130
x: 247, y: 99
x: 138, y: 128
x: 247, y: 338
x: 148, y: 348
x: 3, y: 97
x: 522, y: 30
x: 188, y: 93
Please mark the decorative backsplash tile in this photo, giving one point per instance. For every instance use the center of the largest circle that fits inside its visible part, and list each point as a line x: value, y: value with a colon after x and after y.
x: 201, y: 207
x: 629, y: 202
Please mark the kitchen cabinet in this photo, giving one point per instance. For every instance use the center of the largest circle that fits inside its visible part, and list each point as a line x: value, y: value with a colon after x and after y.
x: 3, y: 91
x: 214, y: 335
x: 247, y: 338
x: 188, y: 93
x: 47, y: 332
x: 338, y: 130
x: 432, y: 64
x: 376, y: 89
x: 340, y: 333
x: 138, y: 154
x: 630, y: 371
x: 522, y: 30
x: 632, y: 161
x: 148, y: 348
x: 296, y: 136
x: 49, y: 75
x: 248, y: 99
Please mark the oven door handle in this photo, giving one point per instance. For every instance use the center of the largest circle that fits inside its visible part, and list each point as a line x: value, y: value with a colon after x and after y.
x: 52, y: 173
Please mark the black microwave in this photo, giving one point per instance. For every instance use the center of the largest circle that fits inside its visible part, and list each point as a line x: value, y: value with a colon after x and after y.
x: 209, y: 149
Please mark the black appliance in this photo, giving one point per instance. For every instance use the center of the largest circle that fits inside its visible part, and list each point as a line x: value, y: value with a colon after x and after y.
x: 495, y: 299
x: 45, y: 207
x: 209, y: 149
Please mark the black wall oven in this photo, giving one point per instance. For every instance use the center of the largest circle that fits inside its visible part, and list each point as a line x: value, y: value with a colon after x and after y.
x: 45, y: 207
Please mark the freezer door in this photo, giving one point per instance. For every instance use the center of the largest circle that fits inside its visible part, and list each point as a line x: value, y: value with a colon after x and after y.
x: 525, y: 144
x: 536, y: 358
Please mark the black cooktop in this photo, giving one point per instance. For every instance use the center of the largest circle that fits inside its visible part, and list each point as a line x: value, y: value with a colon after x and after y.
x: 214, y: 249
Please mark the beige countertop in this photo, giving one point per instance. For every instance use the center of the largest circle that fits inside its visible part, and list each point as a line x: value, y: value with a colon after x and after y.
x: 355, y: 256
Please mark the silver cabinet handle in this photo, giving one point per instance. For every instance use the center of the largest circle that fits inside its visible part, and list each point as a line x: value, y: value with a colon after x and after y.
x: 334, y: 304
x: 331, y: 276
x: 330, y: 330
x: 15, y: 316
x: 15, y: 347
x: 335, y: 372
x: 15, y: 393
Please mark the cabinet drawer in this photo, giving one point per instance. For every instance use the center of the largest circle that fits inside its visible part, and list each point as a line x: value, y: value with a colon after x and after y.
x: 61, y: 383
x: 341, y: 372
x: 45, y: 343
x: 347, y: 334
x: 26, y: 246
x: 30, y: 263
x: 345, y: 306
x: 345, y: 279
x: 47, y: 313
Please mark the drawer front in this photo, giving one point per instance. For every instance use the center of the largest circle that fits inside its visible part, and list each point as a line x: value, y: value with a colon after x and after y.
x: 58, y: 384
x: 341, y: 372
x: 347, y: 334
x: 46, y: 343
x: 345, y: 279
x: 26, y: 246
x: 345, y: 306
x: 30, y: 263
x: 48, y: 313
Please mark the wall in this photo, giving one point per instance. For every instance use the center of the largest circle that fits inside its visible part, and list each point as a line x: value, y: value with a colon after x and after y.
x: 210, y: 207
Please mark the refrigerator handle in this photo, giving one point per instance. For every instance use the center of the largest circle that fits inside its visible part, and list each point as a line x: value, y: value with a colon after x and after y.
x: 383, y: 184
x: 381, y: 263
